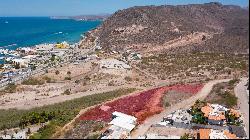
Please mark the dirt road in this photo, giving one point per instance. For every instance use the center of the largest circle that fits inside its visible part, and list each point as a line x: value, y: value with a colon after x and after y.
x: 243, y: 101
x: 142, y: 129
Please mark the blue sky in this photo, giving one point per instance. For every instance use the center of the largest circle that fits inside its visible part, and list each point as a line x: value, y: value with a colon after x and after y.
x: 81, y: 7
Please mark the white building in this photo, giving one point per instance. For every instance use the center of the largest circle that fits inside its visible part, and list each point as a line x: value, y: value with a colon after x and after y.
x: 18, y: 135
x: 121, y: 126
x: 113, y: 64
x: 44, y: 47
x: 24, y: 61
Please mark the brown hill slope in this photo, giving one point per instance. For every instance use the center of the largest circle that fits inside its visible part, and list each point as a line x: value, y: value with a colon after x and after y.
x: 195, y: 27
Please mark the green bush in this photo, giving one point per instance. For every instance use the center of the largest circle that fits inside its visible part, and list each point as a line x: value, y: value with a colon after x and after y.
x: 36, y: 117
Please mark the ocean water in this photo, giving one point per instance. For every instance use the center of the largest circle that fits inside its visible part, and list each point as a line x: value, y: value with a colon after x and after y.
x: 28, y: 31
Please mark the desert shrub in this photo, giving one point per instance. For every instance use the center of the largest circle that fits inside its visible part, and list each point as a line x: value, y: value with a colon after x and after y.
x: 207, y: 79
x: 47, y: 79
x: 111, y: 83
x: 10, y: 88
x: 93, y: 136
x: 57, y: 72
x: 33, y: 81
x: 185, y: 136
x: 77, y: 81
x: 66, y: 92
x: 68, y: 72
x: 87, y: 78
x: 67, y: 78
x: 229, y: 99
x: 231, y: 83
x: 127, y: 78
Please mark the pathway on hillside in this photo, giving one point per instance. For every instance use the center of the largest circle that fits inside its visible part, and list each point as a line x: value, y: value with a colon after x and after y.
x: 195, y: 38
x: 243, y: 100
x: 142, y: 129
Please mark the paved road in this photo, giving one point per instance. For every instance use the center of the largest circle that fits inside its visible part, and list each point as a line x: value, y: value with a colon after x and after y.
x: 243, y: 100
x: 202, y: 94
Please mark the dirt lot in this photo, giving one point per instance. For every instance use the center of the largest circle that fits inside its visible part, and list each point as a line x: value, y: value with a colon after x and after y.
x: 85, y: 78
x: 172, y: 97
x: 85, y: 130
x: 168, y: 131
x: 223, y: 93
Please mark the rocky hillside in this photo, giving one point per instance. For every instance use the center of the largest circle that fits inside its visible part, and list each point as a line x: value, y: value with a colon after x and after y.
x: 194, y: 27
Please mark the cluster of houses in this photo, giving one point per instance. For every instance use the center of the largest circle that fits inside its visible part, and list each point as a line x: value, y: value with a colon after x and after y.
x: 120, y: 127
x: 27, y: 54
x: 217, y: 124
x: 215, y: 113
x: 30, y: 58
x: 215, y: 134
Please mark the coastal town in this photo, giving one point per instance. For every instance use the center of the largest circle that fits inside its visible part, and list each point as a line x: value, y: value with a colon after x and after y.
x: 109, y: 85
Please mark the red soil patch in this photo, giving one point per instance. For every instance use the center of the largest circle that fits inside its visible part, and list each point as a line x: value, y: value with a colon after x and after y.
x: 141, y: 105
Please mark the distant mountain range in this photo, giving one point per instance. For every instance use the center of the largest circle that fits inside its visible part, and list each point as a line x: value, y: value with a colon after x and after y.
x: 83, y: 17
x: 194, y: 27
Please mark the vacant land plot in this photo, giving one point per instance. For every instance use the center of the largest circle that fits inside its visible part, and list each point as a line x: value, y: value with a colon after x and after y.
x: 223, y: 93
x: 166, y: 131
x: 193, y: 65
x: 85, y: 130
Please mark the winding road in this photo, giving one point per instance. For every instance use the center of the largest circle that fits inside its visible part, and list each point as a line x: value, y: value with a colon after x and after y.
x: 202, y: 94
x: 240, y: 91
